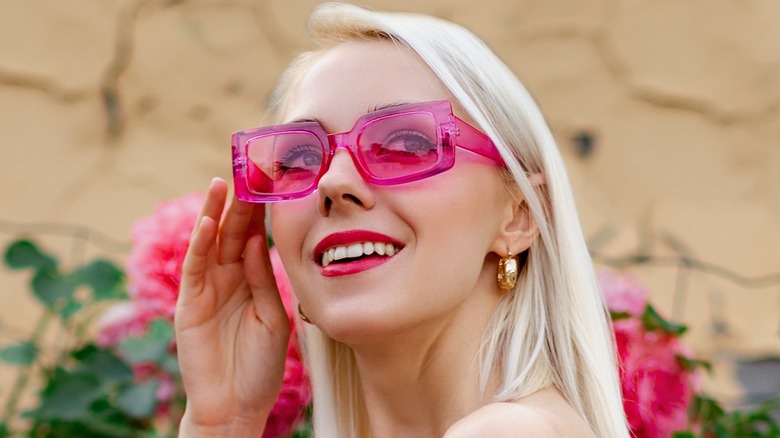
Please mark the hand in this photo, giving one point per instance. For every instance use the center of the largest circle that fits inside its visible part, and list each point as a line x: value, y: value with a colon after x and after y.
x: 231, y: 328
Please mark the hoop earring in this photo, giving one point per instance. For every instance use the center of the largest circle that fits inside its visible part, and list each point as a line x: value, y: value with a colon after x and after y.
x: 303, y: 316
x: 507, y: 272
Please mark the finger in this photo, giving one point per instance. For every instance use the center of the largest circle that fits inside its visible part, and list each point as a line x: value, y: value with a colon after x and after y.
x: 260, y: 278
x: 200, y: 255
x: 257, y: 223
x: 215, y: 200
x: 196, y: 260
x: 232, y: 235
x: 203, y: 238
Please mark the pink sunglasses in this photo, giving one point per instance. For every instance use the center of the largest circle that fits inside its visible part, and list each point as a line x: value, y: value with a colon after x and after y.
x: 395, y: 145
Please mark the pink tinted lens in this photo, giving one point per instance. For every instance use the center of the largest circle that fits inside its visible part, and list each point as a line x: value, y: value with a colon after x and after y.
x: 284, y: 162
x: 399, y: 145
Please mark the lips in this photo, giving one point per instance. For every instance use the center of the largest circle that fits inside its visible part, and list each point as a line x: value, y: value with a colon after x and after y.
x: 353, y: 251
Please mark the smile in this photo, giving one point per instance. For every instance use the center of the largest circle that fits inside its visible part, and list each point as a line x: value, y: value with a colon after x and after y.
x: 357, y: 251
x: 354, y: 251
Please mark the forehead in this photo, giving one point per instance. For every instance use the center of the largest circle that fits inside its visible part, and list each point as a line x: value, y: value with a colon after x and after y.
x: 355, y: 77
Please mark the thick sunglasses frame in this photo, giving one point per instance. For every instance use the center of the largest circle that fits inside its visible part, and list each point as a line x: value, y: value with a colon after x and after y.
x: 451, y: 132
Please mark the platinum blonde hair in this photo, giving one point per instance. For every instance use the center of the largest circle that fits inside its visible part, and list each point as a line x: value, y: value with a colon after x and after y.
x: 552, y: 329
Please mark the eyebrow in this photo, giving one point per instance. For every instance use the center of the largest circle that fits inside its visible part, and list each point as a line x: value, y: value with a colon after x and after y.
x: 386, y: 106
x: 304, y: 121
x: 370, y: 110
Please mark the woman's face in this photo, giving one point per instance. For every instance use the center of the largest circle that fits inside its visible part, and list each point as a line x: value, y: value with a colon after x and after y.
x: 443, y: 229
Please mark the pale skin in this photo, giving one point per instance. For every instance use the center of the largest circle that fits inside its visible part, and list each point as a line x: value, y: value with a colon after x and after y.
x: 415, y: 323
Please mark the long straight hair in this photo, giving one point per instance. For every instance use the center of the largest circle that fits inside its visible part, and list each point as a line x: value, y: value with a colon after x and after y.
x: 552, y: 329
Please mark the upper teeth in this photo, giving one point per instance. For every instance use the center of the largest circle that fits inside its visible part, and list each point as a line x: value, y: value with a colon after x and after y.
x: 357, y: 250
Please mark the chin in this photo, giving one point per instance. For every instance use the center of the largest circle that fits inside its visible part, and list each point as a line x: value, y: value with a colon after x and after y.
x: 359, y: 327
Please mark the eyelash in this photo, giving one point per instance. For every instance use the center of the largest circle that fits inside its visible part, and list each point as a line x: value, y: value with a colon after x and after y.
x: 410, y: 133
x: 292, y: 154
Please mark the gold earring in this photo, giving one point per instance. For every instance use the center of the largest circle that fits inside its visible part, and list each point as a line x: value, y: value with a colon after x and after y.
x: 507, y: 272
x: 303, y: 315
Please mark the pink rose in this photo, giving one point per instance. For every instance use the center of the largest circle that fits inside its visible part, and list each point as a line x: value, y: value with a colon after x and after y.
x: 295, y: 396
x: 160, y: 242
x: 283, y: 283
x: 120, y: 321
x: 296, y: 388
x: 657, y: 389
x: 622, y: 293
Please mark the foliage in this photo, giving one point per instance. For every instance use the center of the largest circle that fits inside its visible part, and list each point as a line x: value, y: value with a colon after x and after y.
x: 759, y: 421
x: 86, y: 390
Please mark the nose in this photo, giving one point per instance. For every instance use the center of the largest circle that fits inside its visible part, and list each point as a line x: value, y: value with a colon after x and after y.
x: 342, y: 187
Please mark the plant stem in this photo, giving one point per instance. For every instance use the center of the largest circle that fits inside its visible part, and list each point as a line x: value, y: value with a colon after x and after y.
x: 24, y: 374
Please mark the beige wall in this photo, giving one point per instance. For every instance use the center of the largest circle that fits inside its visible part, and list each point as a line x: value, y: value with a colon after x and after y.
x: 107, y: 108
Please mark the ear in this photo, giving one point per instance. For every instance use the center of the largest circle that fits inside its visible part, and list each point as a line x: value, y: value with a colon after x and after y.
x: 517, y: 229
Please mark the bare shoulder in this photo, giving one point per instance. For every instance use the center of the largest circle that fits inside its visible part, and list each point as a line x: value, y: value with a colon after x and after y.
x: 541, y: 415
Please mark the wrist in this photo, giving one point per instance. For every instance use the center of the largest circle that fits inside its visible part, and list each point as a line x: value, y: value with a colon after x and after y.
x: 239, y: 427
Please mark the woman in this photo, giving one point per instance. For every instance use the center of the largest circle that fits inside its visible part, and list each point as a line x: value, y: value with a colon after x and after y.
x: 402, y: 236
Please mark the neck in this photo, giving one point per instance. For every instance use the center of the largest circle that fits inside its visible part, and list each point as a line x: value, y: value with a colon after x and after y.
x: 422, y: 380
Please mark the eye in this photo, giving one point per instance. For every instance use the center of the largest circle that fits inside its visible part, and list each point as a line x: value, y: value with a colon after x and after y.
x: 408, y: 142
x: 304, y: 157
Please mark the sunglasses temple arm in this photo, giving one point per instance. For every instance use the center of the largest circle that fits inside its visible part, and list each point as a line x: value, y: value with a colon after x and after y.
x: 473, y: 140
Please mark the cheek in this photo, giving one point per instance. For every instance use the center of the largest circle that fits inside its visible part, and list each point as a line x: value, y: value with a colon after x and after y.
x: 454, y: 245
x: 465, y: 205
x: 457, y: 227
x: 287, y: 221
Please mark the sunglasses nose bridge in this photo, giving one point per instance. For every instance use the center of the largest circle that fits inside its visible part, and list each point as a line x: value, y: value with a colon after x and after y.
x: 341, y: 140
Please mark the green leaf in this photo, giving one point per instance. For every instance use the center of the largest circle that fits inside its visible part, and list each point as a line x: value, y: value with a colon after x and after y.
x: 140, y: 350
x: 68, y: 396
x: 108, y: 426
x: 684, y: 435
x: 152, y: 347
x: 617, y: 316
x: 104, y: 277
x: 653, y: 321
x: 23, y: 254
x: 103, y: 364
x: 301, y: 433
x: 23, y: 353
x: 153, y: 434
x: 53, y: 289
x: 706, y: 410
x: 139, y: 400
x: 692, y: 364
x: 70, y: 308
x: 722, y: 432
x: 304, y: 428
x: 170, y: 364
x: 161, y: 329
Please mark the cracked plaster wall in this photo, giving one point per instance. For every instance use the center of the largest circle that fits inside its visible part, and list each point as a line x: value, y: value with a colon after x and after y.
x: 107, y: 108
